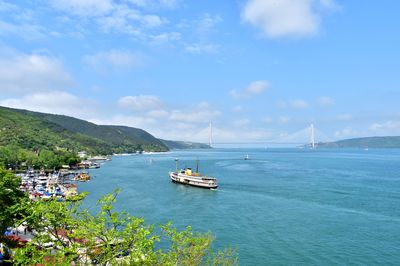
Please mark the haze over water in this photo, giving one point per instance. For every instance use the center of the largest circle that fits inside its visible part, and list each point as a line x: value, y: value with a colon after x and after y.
x: 284, y: 206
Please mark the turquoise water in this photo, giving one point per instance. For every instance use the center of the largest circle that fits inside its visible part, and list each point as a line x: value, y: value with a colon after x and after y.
x: 284, y: 206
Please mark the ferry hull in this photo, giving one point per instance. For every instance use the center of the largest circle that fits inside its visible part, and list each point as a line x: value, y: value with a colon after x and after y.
x: 185, y: 180
x: 193, y: 185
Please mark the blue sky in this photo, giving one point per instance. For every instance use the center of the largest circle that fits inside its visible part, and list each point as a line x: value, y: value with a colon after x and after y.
x: 260, y: 70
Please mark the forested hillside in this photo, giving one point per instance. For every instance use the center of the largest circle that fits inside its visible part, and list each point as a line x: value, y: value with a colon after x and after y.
x: 37, y: 139
x: 120, y: 138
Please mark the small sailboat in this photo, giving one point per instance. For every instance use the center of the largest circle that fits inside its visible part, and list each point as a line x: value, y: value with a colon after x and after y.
x: 247, y: 157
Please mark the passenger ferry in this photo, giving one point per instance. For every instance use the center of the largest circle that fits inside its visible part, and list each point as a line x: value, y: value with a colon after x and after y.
x: 187, y: 177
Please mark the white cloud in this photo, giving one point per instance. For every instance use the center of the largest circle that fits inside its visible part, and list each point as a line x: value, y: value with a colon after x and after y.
x: 31, y: 72
x: 55, y: 102
x: 141, y: 20
x: 193, y: 116
x: 226, y: 135
x: 20, y: 22
x: 130, y: 21
x: 113, y: 60
x: 4, y: 6
x: 84, y: 7
x: 120, y: 23
x: 285, y: 18
x: 391, y: 127
x: 347, y: 132
x: 112, y: 16
x: 155, y: 3
x: 325, y: 101
x: 125, y: 19
x: 166, y: 37
x: 158, y: 118
x: 220, y: 134
x: 253, y: 89
x: 141, y: 122
x: 198, y: 33
x: 202, y: 105
x: 202, y: 26
x: 330, y: 4
x: 153, y: 21
x: 25, y: 31
x: 201, y: 48
x: 207, y: 23
x: 140, y: 103
x: 169, y: 124
x: 157, y: 114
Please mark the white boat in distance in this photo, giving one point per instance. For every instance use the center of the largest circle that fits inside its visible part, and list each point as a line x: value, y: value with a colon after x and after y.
x: 187, y: 177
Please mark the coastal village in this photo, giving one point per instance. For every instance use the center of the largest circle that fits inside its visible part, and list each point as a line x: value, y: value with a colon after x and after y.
x: 60, y: 184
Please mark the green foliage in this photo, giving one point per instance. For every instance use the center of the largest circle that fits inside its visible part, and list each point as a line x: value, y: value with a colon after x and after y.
x: 12, y: 200
x: 187, y: 248
x: 12, y: 156
x: 109, y: 237
x: 81, y: 196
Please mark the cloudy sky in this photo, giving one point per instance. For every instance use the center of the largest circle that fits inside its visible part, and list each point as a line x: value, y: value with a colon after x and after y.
x: 260, y: 70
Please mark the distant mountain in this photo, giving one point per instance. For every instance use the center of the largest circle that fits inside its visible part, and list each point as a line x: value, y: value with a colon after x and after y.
x: 368, y: 142
x: 183, y: 145
x: 35, y: 131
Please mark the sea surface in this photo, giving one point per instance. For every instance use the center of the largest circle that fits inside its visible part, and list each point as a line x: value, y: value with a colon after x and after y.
x: 281, y: 207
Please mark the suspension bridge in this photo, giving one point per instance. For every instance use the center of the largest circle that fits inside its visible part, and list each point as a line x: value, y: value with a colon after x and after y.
x: 304, y: 137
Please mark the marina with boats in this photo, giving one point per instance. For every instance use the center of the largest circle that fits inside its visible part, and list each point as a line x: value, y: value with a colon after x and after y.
x: 60, y: 184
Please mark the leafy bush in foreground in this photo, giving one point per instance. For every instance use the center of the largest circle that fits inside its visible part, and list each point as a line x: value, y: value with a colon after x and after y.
x: 75, y: 236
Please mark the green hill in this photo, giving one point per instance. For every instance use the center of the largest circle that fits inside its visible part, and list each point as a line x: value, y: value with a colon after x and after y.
x: 121, y: 139
x: 368, y: 142
x: 31, y: 134
x: 184, y: 145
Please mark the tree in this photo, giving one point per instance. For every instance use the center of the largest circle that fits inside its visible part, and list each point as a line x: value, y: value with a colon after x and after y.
x: 110, y: 238
x: 12, y: 199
